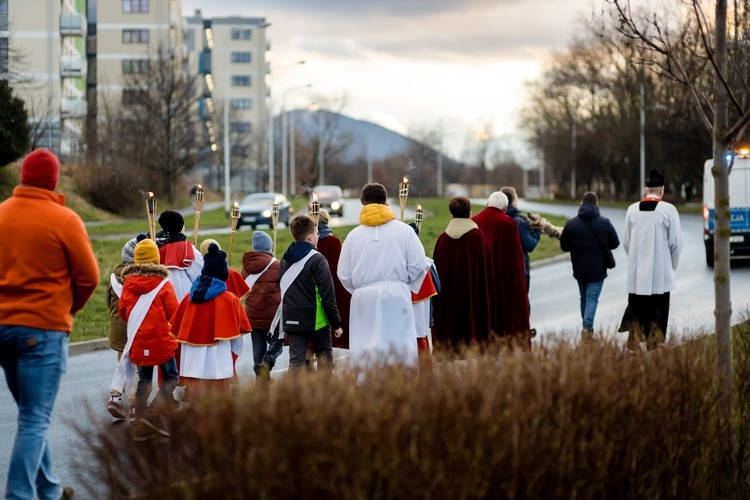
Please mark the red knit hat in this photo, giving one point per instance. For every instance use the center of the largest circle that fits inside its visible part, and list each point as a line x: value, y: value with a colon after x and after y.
x: 40, y: 169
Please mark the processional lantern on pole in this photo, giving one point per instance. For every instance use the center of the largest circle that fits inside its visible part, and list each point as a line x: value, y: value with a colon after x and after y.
x: 418, y: 218
x: 315, y: 208
x: 198, y: 206
x: 151, y: 214
x: 275, y: 222
x: 403, y: 194
x: 235, y: 219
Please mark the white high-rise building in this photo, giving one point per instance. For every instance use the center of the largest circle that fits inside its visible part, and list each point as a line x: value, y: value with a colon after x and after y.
x: 229, y: 56
x: 43, y: 55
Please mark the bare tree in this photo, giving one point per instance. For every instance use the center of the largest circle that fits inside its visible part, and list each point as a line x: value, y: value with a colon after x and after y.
x: 163, y: 102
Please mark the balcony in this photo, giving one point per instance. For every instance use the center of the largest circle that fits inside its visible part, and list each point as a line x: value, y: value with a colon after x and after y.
x: 72, y: 66
x: 72, y: 24
x: 71, y: 107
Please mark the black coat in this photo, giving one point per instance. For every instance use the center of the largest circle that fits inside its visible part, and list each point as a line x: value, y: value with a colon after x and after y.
x: 300, y: 300
x: 586, y: 253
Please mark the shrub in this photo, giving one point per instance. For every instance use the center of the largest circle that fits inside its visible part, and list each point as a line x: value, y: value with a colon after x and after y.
x: 559, y: 423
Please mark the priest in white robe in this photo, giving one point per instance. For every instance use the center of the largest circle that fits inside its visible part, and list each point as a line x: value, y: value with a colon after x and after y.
x: 653, y: 242
x: 382, y: 262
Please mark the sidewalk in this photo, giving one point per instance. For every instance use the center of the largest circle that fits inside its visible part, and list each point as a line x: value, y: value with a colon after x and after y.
x: 184, y: 211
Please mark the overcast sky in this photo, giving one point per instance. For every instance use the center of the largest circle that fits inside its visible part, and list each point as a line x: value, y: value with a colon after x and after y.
x: 410, y: 65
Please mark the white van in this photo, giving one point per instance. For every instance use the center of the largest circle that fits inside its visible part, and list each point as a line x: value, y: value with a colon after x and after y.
x: 739, y: 201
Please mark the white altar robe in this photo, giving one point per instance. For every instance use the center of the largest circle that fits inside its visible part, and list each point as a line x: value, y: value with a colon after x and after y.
x: 380, y: 266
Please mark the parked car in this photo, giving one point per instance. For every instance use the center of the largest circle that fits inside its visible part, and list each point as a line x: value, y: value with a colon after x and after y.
x: 255, y: 209
x: 330, y: 198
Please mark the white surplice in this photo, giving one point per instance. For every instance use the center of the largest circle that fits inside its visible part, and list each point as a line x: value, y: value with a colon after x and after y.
x: 653, y: 242
x: 380, y: 266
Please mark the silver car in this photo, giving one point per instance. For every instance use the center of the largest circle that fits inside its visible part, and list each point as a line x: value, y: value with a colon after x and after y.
x: 255, y: 209
x: 330, y: 198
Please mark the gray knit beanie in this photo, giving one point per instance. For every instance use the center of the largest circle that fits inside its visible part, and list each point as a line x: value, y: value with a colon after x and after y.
x: 128, y: 250
x: 262, y: 242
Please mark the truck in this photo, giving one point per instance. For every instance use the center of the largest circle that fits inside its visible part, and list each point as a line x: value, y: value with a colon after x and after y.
x: 739, y: 202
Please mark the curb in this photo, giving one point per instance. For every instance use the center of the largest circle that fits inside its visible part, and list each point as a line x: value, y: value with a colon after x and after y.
x: 552, y: 260
x: 88, y: 346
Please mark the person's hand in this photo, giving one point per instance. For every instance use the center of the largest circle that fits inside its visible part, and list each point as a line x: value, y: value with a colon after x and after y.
x: 536, y: 221
x: 338, y: 332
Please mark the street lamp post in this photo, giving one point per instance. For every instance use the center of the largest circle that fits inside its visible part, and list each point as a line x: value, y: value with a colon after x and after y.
x: 227, y: 166
x: 321, y: 149
x: 285, y: 142
x: 271, y: 171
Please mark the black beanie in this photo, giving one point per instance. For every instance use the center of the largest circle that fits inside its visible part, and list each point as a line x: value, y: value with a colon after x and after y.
x: 215, y: 263
x: 172, y: 222
x: 414, y: 226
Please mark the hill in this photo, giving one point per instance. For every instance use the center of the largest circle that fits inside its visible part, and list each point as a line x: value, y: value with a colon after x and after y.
x: 356, y: 134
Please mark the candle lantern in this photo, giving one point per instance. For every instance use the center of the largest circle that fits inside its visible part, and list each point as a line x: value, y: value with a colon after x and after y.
x: 403, y: 194
x: 151, y: 214
x: 275, y: 221
x: 198, y: 206
x: 235, y: 219
x: 315, y: 208
x: 418, y: 218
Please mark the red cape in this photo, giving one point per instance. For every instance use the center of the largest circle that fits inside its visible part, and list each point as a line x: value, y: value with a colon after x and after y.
x: 205, y: 324
x: 236, y: 284
x: 509, y: 314
x: 330, y: 247
x: 462, y: 308
x: 426, y: 291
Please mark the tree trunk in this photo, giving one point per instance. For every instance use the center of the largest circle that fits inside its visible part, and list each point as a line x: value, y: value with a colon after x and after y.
x: 723, y: 310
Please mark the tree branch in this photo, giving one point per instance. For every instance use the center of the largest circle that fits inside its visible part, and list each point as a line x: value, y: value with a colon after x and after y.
x: 738, y: 129
x: 710, y: 53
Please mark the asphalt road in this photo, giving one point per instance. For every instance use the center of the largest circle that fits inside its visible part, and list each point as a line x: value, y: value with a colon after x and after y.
x: 554, y: 312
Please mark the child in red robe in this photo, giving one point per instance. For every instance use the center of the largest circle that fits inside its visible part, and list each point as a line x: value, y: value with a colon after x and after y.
x: 206, y: 324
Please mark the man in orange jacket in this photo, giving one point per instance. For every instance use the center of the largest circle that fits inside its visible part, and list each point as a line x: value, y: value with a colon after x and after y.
x: 48, y: 272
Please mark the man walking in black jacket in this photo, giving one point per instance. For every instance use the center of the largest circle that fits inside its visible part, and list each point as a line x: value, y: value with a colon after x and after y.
x: 588, y: 238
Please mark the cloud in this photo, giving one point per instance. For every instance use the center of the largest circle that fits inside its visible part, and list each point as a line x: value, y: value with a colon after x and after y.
x: 469, y: 29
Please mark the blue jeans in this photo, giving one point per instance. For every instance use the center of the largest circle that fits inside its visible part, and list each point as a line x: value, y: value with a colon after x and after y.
x: 589, y: 301
x: 265, y: 349
x: 34, y: 361
x: 164, y: 396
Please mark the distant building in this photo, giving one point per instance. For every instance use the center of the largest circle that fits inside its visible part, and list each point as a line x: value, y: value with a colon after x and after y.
x: 72, y: 59
x: 229, y: 55
x: 42, y: 54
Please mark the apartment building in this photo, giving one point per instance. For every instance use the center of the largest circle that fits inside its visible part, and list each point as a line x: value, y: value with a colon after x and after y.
x: 126, y: 36
x: 42, y: 54
x: 72, y: 60
x: 229, y: 55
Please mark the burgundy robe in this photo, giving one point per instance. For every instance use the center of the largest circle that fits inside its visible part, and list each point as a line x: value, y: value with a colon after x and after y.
x: 330, y: 247
x: 462, y: 308
x: 509, y: 314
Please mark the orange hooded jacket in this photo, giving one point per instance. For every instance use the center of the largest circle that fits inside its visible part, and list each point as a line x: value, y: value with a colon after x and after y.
x: 48, y: 270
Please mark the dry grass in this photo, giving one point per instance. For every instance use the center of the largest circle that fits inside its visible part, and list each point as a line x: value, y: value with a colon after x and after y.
x: 559, y: 423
